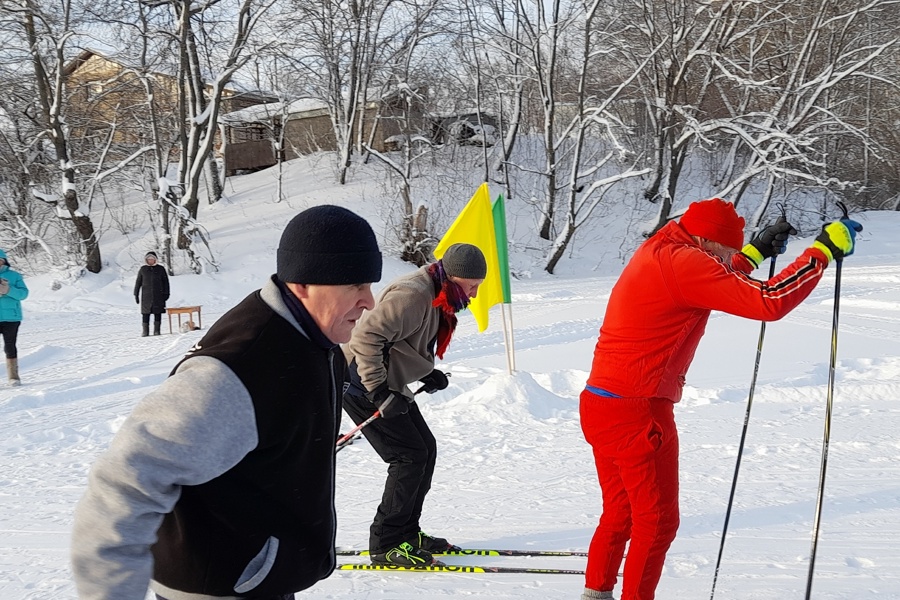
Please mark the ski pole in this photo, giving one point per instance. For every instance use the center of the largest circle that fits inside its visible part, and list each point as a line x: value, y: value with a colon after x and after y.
x: 740, y: 452
x: 828, y: 407
x: 349, y: 437
x: 345, y: 440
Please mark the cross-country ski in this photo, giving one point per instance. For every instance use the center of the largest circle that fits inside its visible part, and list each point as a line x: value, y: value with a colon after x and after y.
x: 481, y: 552
x: 459, y: 569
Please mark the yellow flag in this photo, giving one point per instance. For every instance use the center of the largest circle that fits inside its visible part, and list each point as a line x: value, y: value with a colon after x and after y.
x: 475, y: 225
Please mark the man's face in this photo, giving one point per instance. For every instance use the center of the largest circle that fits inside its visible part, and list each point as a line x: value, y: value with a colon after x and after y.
x: 335, y: 308
x: 469, y: 286
x: 721, y: 250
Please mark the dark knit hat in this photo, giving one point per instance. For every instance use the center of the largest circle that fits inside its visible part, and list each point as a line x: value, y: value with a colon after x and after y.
x: 328, y: 245
x: 715, y: 220
x: 149, y: 254
x: 465, y: 261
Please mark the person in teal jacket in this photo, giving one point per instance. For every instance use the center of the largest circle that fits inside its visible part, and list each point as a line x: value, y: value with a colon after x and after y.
x: 12, y: 292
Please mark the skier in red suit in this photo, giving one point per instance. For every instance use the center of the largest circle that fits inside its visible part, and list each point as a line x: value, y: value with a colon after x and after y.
x: 655, y: 317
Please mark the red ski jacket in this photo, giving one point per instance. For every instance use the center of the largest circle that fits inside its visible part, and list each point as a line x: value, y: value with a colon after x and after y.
x: 659, y: 307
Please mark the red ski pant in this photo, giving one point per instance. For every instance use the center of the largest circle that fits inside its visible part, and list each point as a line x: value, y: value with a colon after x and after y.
x: 635, y: 445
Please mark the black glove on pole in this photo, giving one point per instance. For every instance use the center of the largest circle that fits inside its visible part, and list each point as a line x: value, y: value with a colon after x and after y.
x: 434, y: 381
x: 769, y: 242
x: 773, y: 240
x: 389, y: 402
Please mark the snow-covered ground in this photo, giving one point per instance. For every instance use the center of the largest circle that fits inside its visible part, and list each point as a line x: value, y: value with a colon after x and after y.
x: 513, y: 469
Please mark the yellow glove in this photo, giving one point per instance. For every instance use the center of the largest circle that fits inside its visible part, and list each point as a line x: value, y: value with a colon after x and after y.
x: 838, y: 239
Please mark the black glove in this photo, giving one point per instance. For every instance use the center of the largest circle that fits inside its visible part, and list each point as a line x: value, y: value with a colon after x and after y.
x: 434, y: 381
x: 137, y: 300
x: 389, y: 402
x: 770, y: 242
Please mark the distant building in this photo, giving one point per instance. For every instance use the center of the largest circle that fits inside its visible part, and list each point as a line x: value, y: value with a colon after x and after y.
x: 250, y: 134
x: 106, y: 95
x: 466, y: 128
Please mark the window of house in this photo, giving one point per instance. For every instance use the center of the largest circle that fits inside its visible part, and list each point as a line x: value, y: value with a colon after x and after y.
x: 248, y: 133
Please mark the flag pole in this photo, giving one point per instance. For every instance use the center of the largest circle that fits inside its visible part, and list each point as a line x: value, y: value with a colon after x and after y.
x: 507, y: 339
x: 512, y: 339
x: 498, y: 209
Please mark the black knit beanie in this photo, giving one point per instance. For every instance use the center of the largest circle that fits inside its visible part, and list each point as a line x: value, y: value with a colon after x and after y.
x: 465, y: 261
x: 328, y: 245
x: 149, y: 254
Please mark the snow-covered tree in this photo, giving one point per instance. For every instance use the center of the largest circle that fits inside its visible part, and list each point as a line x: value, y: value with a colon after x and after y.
x: 207, y: 63
x: 28, y: 228
x: 802, y: 85
x: 45, y: 33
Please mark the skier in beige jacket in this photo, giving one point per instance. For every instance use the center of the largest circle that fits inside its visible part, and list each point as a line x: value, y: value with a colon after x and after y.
x: 393, y: 346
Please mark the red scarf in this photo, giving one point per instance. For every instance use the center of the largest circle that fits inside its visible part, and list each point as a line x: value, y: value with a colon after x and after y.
x: 450, y: 300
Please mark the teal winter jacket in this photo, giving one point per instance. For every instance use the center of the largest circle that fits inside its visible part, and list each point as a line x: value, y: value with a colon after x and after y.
x: 11, y: 302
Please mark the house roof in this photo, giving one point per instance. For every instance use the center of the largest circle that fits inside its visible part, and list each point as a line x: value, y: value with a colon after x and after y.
x: 298, y: 109
x: 234, y: 86
x: 461, y: 114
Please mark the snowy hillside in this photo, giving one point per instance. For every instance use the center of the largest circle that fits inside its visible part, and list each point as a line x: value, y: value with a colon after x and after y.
x: 513, y: 470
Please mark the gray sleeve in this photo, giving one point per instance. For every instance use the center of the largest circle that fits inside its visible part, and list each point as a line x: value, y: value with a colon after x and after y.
x: 198, y: 424
x: 399, y: 314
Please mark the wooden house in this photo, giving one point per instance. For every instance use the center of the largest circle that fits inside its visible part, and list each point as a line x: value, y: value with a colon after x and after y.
x: 107, y: 97
x: 250, y: 134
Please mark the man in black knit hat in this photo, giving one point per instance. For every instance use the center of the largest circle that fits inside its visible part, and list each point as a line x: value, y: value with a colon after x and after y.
x: 393, y: 346
x: 221, y: 482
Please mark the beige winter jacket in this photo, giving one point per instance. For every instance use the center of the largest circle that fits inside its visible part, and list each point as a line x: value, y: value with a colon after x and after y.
x: 404, y: 321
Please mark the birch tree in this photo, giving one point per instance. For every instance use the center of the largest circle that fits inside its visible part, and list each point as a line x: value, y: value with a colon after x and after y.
x: 805, y: 103
x: 765, y: 87
x: 566, y: 49
x: 25, y: 225
x: 404, y: 103
x: 544, y: 25
x: 201, y: 97
x: 594, y: 158
x: 47, y: 35
x: 338, y: 45
x: 682, y: 41
x: 501, y: 36
x: 149, y: 57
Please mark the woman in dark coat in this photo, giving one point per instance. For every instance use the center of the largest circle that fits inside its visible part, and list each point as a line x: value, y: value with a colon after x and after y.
x: 151, y: 290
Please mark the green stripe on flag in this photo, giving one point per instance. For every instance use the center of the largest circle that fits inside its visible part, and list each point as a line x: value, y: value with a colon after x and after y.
x: 499, y: 211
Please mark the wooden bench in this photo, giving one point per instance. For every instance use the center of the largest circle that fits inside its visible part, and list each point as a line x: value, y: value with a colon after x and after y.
x: 184, y: 310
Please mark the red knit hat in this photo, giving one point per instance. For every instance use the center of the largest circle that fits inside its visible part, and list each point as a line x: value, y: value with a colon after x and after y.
x: 715, y: 220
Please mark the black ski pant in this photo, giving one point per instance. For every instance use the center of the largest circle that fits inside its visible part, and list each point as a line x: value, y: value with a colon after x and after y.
x: 10, y: 332
x: 409, y: 448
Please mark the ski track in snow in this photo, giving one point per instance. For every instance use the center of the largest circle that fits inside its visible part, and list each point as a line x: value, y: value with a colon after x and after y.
x: 513, y: 469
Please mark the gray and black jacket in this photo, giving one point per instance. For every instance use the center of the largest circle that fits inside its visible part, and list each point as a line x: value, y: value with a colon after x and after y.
x: 221, y: 483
